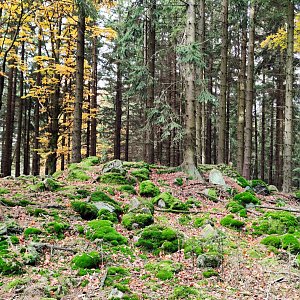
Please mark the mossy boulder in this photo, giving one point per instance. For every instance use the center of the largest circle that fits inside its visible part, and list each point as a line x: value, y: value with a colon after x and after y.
x: 89, y: 260
x: 104, y: 214
x: 167, y: 200
x: 230, y: 222
x: 51, y: 184
x: 245, y: 198
x: 156, y: 238
x: 86, y: 210
x: 57, y: 228
x: 209, y: 260
x: 103, y: 201
x: 280, y: 222
x: 236, y: 207
x: 114, y: 178
x: 103, y: 229
x: 32, y: 231
x: 78, y: 175
x: 136, y: 220
x: 141, y: 174
x: 241, y: 181
x: 114, y: 166
x: 127, y: 189
x: 140, y: 205
x: 287, y: 241
x: 148, y: 189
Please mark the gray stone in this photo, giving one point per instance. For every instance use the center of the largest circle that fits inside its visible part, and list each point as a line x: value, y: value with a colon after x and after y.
x: 208, y: 232
x: 134, y: 204
x: 161, y: 203
x: 272, y: 188
x: 3, y: 229
x: 209, y: 260
x: 137, y: 206
x: 216, y: 177
x: 115, y: 166
x: 116, y: 294
x: 103, y: 205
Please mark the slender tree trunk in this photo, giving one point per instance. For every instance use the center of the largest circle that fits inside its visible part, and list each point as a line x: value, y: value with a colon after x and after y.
x: 93, y: 149
x: 118, y: 117
x: 256, y: 142
x: 26, y: 164
x: 127, y: 131
x: 249, y: 96
x: 223, y: 77
x: 35, y: 155
x: 76, y: 136
x: 288, y: 129
x: 151, y: 45
x: 189, y: 162
x: 271, y: 153
x: 20, y: 117
x: 263, y: 133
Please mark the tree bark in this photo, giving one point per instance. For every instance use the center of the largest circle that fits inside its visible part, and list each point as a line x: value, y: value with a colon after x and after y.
x: 249, y: 96
x: 288, y: 129
x: 223, y: 77
x: 76, y: 136
x: 118, y: 116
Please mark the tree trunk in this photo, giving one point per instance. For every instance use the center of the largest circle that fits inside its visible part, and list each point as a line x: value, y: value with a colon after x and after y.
x: 288, y: 130
x: 27, y: 122
x: 263, y: 133
x: 271, y: 153
x: 127, y: 131
x: 118, y: 117
x: 223, y: 88
x: 93, y: 149
x: 249, y: 96
x: 76, y: 136
x: 189, y: 162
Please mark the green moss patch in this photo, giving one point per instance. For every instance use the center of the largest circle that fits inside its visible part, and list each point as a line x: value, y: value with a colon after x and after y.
x: 287, y: 241
x: 10, y: 266
x: 170, y: 202
x: 127, y: 189
x: 78, y: 175
x: 86, y: 210
x: 32, y: 231
x: 184, y: 292
x: 141, y: 174
x: 156, y: 238
x: 141, y: 220
x: 100, y: 196
x: 193, y: 246
x: 246, y: 198
x: 232, y: 223
x: 57, y: 228
x: 148, y: 189
x: 241, y: 181
x: 276, y: 223
x: 165, y: 269
x: 104, y: 214
x: 114, y: 178
x: 87, y: 260
x: 102, y: 229
x: 4, y: 191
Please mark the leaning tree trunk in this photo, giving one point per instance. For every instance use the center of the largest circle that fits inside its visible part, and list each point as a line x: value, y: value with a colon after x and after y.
x: 222, y: 108
x: 249, y: 96
x: 76, y: 136
x: 189, y: 163
x: 287, y: 149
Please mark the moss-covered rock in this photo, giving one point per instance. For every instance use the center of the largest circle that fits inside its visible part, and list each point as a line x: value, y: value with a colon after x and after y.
x: 245, y: 198
x: 141, y: 174
x: 242, y: 181
x: 232, y: 223
x: 280, y: 222
x: 114, y: 178
x: 57, y: 228
x: 131, y: 220
x: 127, y: 189
x: 290, y: 243
x: 78, y: 175
x: 51, y: 184
x: 89, y: 260
x: 102, y: 198
x: 103, y: 229
x: 104, y: 214
x: 148, y: 189
x: 32, y: 231
x: 91, y: 161
x: 272, y: 240
x: 209, y: 260
x: 166, y: 200
x: 156, y: 238
x: 86, y: 210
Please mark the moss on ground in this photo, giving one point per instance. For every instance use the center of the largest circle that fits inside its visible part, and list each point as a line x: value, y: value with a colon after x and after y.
x: 141, y: 220
x: 104, y: 214
x: 148, y: 189
x: 246, y: 198
x: 165, y: 269
x: 127, y: 189
x: 32, y: 231
x: 86, y: 210
x: 287, y: 241
x: 141, y: 174
x: 89, y: 260
x: 170, y: 201
x: 210, y: 273
x: 232, y: 223
x: 114, y: 178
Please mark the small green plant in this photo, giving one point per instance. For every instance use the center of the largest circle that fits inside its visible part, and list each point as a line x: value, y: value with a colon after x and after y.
x: 87, y: 260
x: 148, y: 189
x: 193, y: 246
x: 4, y: 191
x: 210, y: 273
x: 232, y: 223
x: 178, y: 181
x: 142, y: 220
x: 14, y: 240
x: 87, y: 211
x: 212, y: 194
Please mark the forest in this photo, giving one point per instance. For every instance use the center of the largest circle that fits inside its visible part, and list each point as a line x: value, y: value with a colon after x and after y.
x: 170, y: 82
x: 150, y: 149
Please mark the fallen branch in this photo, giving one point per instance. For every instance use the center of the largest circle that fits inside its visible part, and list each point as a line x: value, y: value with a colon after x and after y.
x: 279, y: 208
x: 52, y: 247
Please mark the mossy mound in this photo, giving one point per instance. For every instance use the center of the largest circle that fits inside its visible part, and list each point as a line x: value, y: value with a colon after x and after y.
x: 141, y: 174
x: 209, y: 259
x: 91, y: 161
x: 256, y: 182
x: 148, y: 189
x: 87, y: 260
x: 165, y: 269
x: 170, y: 202
x: 114, y: 178
x: 156, y: 238
x: 32, y: 231
x: 139, y: 220
x: 246, y: 198
x: 127, y: 189
x: 57, y: 228
x: 102, y: 229
x: 51, y: 184
x: 287, y: 241
x: 100, y: 196
x: 184, y: 292
x: 210, y: 273
x: 38, y: 212
x: 276, y: 223
x: 86, y: 210
x: 232, y: 223
x: 78, y: 175
x: 243, y: 182
x: 135, y: 164
x: 235, y: 207
x: 104, y: 214
x: 10, y: 266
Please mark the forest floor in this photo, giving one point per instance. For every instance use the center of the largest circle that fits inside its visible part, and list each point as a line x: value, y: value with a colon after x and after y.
x: 249, y: 269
